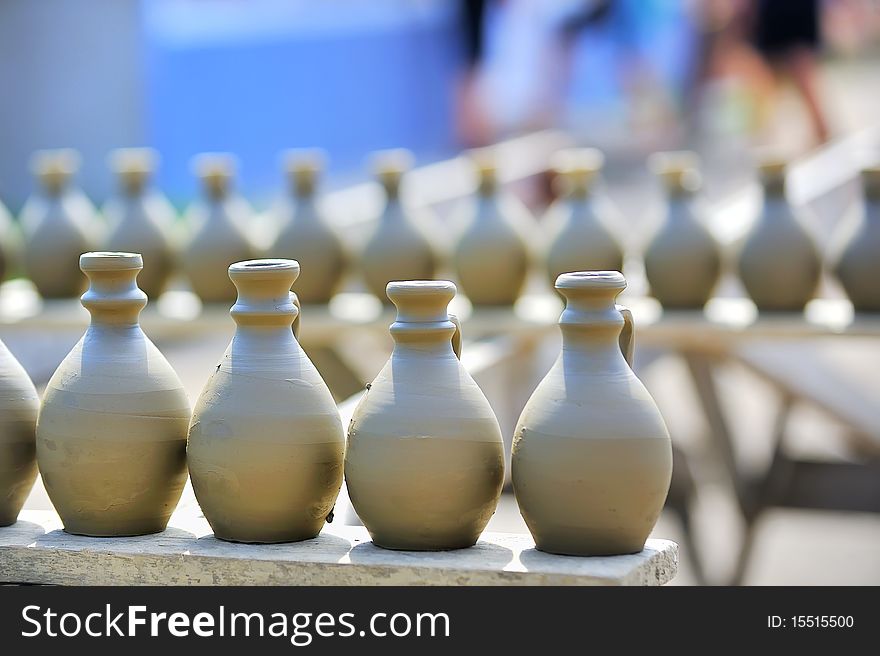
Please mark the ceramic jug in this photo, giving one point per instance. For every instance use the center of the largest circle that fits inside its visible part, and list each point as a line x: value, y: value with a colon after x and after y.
x: 492, y: 257
x: 582, y: 239
x: 19, y: 404
x: 111, y: 434
x: 683, y: 260
x: 592, y: 459
x: 218, y: 225
x: 141, y: 218
x: 779, y: 264
x: 857, y: 264
x: 424, y: 464
x: 59, y: 223
x: 266, y: 443
x: 400, y: 247
x: 306, y: 234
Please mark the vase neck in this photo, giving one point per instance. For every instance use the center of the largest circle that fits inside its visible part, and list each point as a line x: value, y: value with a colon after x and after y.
x: 113, y: 297
x: 423, y: 323
x: 590, y: 314
x: 264, y: 297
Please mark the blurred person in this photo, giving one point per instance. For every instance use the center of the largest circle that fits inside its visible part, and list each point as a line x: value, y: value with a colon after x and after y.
x: 788, y: 36
x: 519, y: 60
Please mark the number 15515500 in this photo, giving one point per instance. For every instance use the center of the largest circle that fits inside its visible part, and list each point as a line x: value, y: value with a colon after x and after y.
x: 810, y: 622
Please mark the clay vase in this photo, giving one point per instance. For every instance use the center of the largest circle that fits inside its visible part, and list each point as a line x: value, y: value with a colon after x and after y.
x: 141, y: 218
x: 19, y: 404
x: 306, y: 234
x: 266, y: 443
x: 683, y: 260
x: 858, y: 263
x: 492, y: 259
x: 425, y: 462
x: 59, y: 223
x: 111, y: 435
x: 779, y: 264
x: 218, y: 230
x: 400, y: 247
x: 581, y: 236
x: 592, y: 459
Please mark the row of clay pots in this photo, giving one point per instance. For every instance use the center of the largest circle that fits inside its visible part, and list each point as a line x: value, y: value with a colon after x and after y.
x: 778, y: 262
x: 266, y: 451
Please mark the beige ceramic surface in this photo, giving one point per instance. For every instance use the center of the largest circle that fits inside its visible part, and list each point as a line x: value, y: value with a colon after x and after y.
x: 592, y: 459
x: 399, y: 248
x: 59, y: 223
x: 19, y: 404
x: 683, y: 260
x: 305, y: 233
x: 492, y: 257
x: 425, y: 462
x: 141, y: 218
x: 11, y: 244
x: 266, y: 444
x: 218, y: 225
x: 111, y: 434
x: 858, y: 264
x: 779, y: 264
x: 581, y: 237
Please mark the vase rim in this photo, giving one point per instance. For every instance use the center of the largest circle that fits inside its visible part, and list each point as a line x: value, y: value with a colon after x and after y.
x: 110, y: 261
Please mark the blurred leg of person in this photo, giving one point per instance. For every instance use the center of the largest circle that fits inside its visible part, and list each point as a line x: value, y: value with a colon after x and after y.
x: 787, y: 35
x: 472, y: 122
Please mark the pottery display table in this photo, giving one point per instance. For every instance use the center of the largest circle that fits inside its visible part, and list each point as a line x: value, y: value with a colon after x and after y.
x: 36, y: 550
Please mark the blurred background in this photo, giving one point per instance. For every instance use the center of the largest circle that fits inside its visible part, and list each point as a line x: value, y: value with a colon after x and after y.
x: 777, y: 447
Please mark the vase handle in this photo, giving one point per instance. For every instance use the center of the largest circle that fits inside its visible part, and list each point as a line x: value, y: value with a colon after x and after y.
x: 296, y: 320
x: 456, y: 336
x: 627, y: 335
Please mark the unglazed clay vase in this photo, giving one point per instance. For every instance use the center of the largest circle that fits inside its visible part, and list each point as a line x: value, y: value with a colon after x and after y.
x: 592, y: 459
x: 492, y: 259
x: 425, y: 462
x: 19, y: 404
x: 111, y: 435
x: 266, y: 443
x: 306, y: 234
x: 857, y: 265
x: 779, y: 264
x: 141, y: 218
x: 683, y: 260
x: 581, y: 236
x: 59, y: 223
x: 218, y: 225
x: 399, y: 248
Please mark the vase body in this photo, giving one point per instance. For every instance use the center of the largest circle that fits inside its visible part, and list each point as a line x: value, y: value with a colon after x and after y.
x: 683, y: 260
x: 59, y: 224
x: 425, y: 461
x: 582, y: 239
x: 266, y: 443
x: 217, y: 225
x: 141, y: 218
x: 306, y: 235
x: 858, y: 263
x: 492, y: 256
x: 399, y: 248
x: 10, y: 243
x: 592, y: 458
x: 111, y: 434
x: 779, y: 264
x: 19, y: 405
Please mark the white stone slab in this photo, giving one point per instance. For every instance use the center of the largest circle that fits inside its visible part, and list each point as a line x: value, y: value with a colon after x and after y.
x: 36, y: 550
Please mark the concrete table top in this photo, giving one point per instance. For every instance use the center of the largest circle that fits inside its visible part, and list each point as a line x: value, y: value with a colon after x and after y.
x: 36, y: 550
